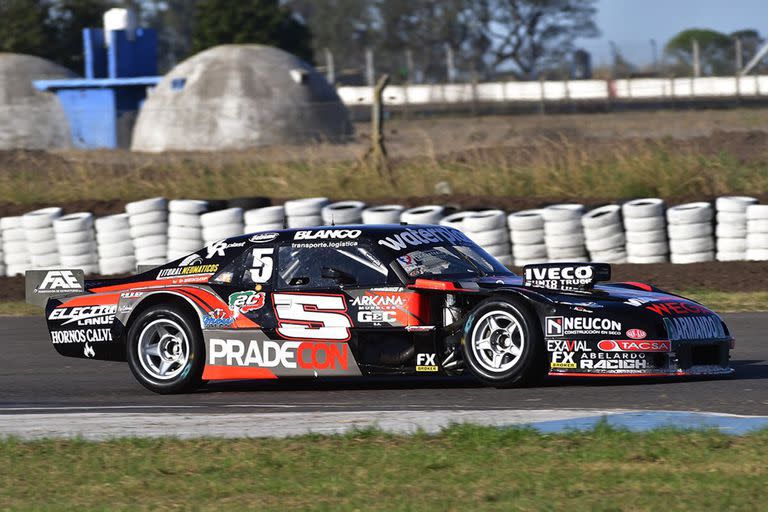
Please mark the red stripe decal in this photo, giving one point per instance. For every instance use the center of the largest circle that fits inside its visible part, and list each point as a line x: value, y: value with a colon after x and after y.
x: 217, y: 372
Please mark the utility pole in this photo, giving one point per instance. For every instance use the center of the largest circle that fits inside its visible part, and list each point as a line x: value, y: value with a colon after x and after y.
x: 409, y: 65
x: 739, y: 63
x: 450, y: 64
x: 370, y: 73
x: 654, y: 56
x: 696, y: 62
x: 330, y: 71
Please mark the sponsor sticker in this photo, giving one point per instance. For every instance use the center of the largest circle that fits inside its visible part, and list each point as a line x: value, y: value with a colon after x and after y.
x: 569, y: 365
x: 636, y: 334
x: 703, y: 327
x: 261, y: 238
x: 614, y: 364
x: 84, y: 316
x: 220, y: 248
x: 676, y: 308
x: 217, y: 318
x: 635, y: 346
x: 44, y: 284
x: 424, y: 236
x: 558, y: 326
x: 376, y: 317
x: 560, y: 277
x: 567, y: 346
x: 426, y: 362
x: 244, y: 302
x: 309, y: 355
x: 327, y: 234
x: 81, y: 336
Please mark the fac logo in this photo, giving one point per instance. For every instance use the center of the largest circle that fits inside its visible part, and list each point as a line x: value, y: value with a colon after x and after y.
x: 59, y: 280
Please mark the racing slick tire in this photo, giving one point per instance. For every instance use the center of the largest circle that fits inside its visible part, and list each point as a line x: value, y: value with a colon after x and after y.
x: 165, y: 350
x: 503, y: 346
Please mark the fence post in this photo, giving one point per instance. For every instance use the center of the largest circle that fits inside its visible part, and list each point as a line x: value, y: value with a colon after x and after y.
x: 378, y: 151
x: 450, y: 64
x: 330, y: 70
x: 370, y: 73
x: 696, y: 63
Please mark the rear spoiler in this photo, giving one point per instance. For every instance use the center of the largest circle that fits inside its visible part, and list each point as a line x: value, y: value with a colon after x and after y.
x: 42, y: 285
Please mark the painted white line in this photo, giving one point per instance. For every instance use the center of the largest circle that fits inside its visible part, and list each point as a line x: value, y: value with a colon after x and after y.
x: 98, y: 407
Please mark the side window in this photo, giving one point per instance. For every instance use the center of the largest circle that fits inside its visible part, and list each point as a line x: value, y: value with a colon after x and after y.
x: 303, y: 267
x: 255, y: 266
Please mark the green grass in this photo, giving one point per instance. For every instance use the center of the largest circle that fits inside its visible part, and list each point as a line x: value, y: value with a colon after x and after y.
x: 548, y: 168
x: 19, y: 308
x: 727, y: 302
x: 462, y: 468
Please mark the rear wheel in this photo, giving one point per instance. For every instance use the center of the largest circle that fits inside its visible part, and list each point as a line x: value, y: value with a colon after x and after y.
x: 502, y: 346
x: 165, y: 350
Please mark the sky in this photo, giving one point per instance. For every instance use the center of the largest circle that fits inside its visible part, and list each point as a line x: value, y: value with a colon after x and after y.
x: 631, y: 24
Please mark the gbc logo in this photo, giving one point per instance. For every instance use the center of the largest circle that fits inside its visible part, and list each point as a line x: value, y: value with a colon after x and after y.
x: 376, y: 317
x: 59, y: 280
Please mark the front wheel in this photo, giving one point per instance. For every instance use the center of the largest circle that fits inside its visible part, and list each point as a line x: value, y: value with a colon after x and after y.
x: 165, y: 350
x: 502, y: 346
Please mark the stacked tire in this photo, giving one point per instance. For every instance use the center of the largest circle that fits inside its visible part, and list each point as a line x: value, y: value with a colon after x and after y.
x: 731, y: 229
x: 384, y: 214
x: 526, y: 230
x: 222, y: 224
x: 305, y: 213
x: 15, y: 253
x: 41, y: 242
x: 757, y: 232
x: 690, y: 233
x: 604, y: 234
x: 77, y: 242
x: 185, y: 231
x: 645, y: 229
x: 148, y: 221
x: 429, y: 214
x: 268, y: 218
x: 343, y: 212
x: 563, y: 233
x: 488, y: 229
x: 114, y: 245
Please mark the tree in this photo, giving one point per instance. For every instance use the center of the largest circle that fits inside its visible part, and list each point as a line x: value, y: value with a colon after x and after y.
x: 751, y: 42
x: 249, y: 21
x: 715, y: 52
x: 22, y: 27
x: 531, y: 34
x: 65, y: 23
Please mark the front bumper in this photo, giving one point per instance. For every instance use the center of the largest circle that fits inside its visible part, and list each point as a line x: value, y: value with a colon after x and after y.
x: 686, y: 358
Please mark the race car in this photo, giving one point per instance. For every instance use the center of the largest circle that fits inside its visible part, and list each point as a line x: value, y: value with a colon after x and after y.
x: 374, y: 300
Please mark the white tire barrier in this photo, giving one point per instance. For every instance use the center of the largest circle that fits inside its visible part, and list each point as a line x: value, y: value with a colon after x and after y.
x: 37, y: 224
x: 343, y: 212
x: 385, y: 214
x: 526, y: 230
x: 185, y: 228
x: 731, y: 229
x: 604, y: 234
x: 488, y: 229
x: 305, y: 213
x: 77, y: 241
x: 114, y: 244
x: 563, y: 233
x: 304, y: 221
x: 690, y: 233
x: 430, y: 214
x: 756, y: 239
x: 148, y: 220
x: 268, y: 218
x: 645, y: 230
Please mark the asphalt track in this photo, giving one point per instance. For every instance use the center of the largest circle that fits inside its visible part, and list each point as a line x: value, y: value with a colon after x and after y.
x: 34, y: 379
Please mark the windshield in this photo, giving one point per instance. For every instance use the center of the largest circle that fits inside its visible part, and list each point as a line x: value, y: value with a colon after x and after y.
x: 456, y: 261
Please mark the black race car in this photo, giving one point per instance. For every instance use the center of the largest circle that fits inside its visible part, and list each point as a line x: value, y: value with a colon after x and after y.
x: 374, y: 300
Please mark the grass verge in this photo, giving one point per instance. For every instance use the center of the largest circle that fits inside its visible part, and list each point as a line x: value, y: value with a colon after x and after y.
x: 464, y: 467
x: 546, y: 168
x: 721, y: 302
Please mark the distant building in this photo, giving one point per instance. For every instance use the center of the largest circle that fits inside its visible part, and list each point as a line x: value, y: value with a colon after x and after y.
x: 30, y: 119
x: 240, y: 96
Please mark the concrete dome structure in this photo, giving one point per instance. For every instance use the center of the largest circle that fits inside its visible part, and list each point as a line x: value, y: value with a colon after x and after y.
x: 30, y: 119
x: 240, y: 96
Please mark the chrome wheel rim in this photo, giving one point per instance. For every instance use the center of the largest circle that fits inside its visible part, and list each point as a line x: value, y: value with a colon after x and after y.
x: 498, y: 341
x: 163, y: 349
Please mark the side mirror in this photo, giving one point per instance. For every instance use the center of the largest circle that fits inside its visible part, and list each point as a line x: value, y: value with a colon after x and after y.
x: 337, y: 275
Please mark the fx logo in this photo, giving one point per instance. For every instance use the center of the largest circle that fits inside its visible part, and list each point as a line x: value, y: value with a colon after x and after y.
x: 563, y: 357
x: 59, y: 280
x: 426, y: 363
x: 554, y: 325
